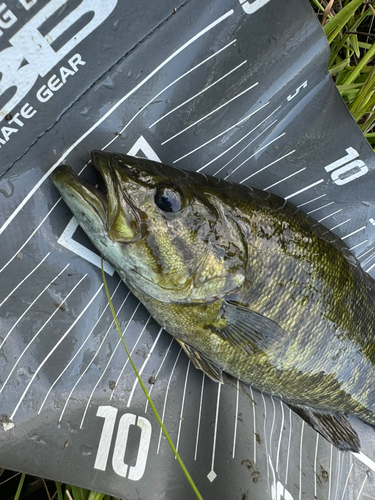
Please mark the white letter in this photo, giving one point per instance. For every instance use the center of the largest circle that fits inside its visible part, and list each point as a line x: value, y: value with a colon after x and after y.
x: 36, y: 48
x: 15, y: 119
x: 64, y: 72
x: 46, y: 96
x: 6, y: 131
x: 76, y: 59
x: 27, y: 111
x: 54, y: 83
x: 253, y: 7
x: 28, y: 3
x: 8, y: 18
x: 14, y: 76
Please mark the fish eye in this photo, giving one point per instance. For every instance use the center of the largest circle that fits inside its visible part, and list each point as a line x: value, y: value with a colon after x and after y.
x: 168, y: 199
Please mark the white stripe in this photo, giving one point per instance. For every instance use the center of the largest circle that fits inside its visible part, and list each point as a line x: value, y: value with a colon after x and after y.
x: 300, y: 461
x: 315, y: 471
x: 367, y: 251
x: 256, y: 152
x: 254, y: 426
x: 199, y: 418
x: 235, y: 419
x: 288, y: 453
x: 330, y: 473
x: 272, y: 426
x: 131, y: 352
x: 269, y: 165
x: 215, y: 430
x: 157, y: 373
x: 363, y: 485
x: 359, y: 244
x: 92, y: 360
x: 284, y: 179
x: 247, y: 145
x: 338, y: 482
x: 354, y: 232
x: 29, y: 238
x: 37, y: 334
x: 320, y: 208
x: 281, y: 433
x: 346, y: 482
x: 164, y: 89
x: 310, y: 201
x: 365, y: 459
x: 106, y: 367
x: 31, y: 305
x: 166, y: 397
x: 341, y: 224
x: 196, y: 95
x: 303, y: 190
x: 24, y: 279
x: 182, y: 409
x: 369, y: 259
x: 79, y: 350
x: 240, y: 140
x: 219, y: 135
x: 265, y: 434
x: 144, y: 365
x: 210, y: 113
x: 330, y: 215
x: 105, y: 116
x: 369, y: 269
x: 52, y: 351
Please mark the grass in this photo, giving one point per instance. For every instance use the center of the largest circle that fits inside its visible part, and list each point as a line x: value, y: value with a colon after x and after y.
x: 350, y: 29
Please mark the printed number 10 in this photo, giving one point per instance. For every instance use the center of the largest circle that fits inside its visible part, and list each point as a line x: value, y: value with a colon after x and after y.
x: 134, y: 472
x: 341, y: 168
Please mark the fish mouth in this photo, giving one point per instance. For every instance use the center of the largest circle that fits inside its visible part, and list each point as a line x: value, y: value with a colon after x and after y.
x: 107, y: 202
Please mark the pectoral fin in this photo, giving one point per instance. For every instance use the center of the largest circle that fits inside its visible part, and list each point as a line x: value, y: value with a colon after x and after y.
x: 249, y: 331
x: 334, y: 427
x: 202, y: 363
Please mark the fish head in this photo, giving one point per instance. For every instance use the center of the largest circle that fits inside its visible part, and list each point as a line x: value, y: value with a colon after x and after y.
x: 164, y: 230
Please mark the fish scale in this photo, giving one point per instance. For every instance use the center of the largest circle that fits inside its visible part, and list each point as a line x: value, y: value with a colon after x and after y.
x: 263, y: 291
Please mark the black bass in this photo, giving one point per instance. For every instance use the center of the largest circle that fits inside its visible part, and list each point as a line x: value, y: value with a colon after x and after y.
x: 245, y: 282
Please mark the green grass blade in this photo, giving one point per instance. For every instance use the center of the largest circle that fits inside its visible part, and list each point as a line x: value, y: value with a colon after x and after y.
x: 337, y: 44
x: 339, y: 67
x: 79, y: 493
x: 356, y: 72
x: 337, y: 23
x: 182, y: 465
x: 93, y: 495
x: 59, y: 491
x: 19, y: 489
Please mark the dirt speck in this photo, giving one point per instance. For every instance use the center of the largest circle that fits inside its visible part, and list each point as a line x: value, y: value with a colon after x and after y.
x: 255, y: 476
x: 257, y: 437
x: 247, y: 463
x: 112, y: 384
x: 324, y: 474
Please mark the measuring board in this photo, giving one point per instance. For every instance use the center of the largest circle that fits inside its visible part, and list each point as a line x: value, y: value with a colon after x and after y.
x: 237, y: 89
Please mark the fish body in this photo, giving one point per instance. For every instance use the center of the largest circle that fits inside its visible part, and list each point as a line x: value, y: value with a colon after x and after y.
x: 247, y: 283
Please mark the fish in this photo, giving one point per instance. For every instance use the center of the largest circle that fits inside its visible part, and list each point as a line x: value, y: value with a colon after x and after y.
x: 246, y: 283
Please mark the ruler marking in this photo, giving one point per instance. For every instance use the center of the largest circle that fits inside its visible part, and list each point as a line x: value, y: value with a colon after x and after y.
x: 285, y: 178
x: 199, y: 417
x: 109, y: 112
x: 269, y: 165
x: 209, y: 114
x: 24, y: 279
x: 79, y: 350
x: 196, y: 95
x: 92, y: 359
